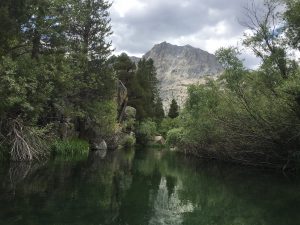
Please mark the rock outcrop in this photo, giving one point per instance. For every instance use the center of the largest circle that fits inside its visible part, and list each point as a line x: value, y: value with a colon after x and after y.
x: 180, y: 66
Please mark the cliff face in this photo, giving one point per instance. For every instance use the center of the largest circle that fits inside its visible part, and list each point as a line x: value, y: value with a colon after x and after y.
x: 180, y: 66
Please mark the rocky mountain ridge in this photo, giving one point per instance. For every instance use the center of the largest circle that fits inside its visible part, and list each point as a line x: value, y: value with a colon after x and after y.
x: 180, y: 66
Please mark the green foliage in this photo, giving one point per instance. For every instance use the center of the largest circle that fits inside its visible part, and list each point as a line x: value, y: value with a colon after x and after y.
x: 228, y: 58
x: 159, y: 112
x: 174, y: 109
x: 168, y: 124
x: 129, y: 125
x: 146, y: 131
x: 53, y: 64
x: 244, y: 119
x: 128, y: 142
x: 70, y: 148
x: 250, y: 117
x: 102, y: 117
x: 175, y: 136
x: 141, y: 84
x: 147, y: 101
x: 292, y: 17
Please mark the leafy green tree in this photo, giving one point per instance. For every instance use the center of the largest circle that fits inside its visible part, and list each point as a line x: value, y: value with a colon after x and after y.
x: 53, y: 66
x: 263, y: 39
x: 292, y: 18
x: 174, y: 109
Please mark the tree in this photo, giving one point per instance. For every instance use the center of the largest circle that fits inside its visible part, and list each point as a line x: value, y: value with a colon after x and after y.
x: 43, y: 81
x: 147, y: 101
x: 159, y: 112
x: 88, y: 27
x: 292, y: 17
x: 263, y: 36
x: 174, y: 109
x: 125, y: 71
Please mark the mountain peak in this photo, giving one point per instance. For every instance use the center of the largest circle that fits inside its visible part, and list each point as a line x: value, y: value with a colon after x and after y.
x: 179, y: 66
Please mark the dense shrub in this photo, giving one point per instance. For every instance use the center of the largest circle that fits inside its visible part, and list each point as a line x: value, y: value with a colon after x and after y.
x: 128, y: 142
x: 145, y: 131
x: 175, y: 137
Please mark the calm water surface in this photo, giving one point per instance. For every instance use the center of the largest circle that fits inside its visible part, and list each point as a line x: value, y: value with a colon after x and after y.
x: 145, y: 187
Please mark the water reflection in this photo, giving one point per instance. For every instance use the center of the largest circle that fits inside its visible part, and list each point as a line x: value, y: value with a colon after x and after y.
x: 167, y: 206
x: 144, y: 187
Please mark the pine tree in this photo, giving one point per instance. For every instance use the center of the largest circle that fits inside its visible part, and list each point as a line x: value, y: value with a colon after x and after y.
x: 159, y: 113
x: 174, y: 109
x: 147, y: 96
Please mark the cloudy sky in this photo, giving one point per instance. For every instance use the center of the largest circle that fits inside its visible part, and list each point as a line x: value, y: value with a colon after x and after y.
x: 206, y: 24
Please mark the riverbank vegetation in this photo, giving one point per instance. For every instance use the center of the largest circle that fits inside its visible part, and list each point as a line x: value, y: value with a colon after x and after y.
x: 54, y: 73
x: 70, y: 148
x: 59, y: 82
x: 250, y: 116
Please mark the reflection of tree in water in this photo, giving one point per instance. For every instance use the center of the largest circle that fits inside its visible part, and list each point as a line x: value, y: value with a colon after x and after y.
x: 171, y: 184
x: 168, y: 208
x: 86, y: 190
x: 18, y: 172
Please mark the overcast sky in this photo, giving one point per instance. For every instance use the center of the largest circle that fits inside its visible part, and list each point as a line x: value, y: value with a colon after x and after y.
x: 206, y: 24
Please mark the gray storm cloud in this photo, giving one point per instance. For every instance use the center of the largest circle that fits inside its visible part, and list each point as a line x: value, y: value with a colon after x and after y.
x: 203, y: 24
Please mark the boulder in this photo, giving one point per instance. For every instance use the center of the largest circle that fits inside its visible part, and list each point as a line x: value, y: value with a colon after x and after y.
x: 159, y: 140
x: 97, y: 145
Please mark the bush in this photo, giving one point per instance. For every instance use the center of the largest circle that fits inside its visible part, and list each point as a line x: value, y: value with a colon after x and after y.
x: 175, y: 136
x: 146, y: 130
x: 73, y: 147
x: 168, y: 124
x: 128, y: 141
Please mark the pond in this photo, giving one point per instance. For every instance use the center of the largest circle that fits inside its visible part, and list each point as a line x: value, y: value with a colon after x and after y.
x: 145, y: 187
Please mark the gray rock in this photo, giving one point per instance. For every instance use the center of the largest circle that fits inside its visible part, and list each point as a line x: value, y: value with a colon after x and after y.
x: 180, y: 66
x: 159, y: 140
x: 97, y: 145
x: 135, y: 59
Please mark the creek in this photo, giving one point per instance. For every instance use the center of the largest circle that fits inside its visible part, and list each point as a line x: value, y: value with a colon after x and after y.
x: 145, y: 187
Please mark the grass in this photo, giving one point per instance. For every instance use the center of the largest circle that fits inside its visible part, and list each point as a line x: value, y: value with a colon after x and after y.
x: 70, y: 148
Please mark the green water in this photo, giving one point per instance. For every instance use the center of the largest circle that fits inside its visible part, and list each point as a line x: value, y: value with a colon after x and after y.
x: 145, y: 187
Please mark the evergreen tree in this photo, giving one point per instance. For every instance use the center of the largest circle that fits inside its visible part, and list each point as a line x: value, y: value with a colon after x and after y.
x: 54, y: 65
x: 174, y: 109
x: 159, y: 113
x: 125, y: 71
x: 147, y: 99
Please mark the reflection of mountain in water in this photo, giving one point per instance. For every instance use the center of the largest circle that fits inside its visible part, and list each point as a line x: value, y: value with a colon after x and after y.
x: 143, y: 187
x: 168, y: 208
